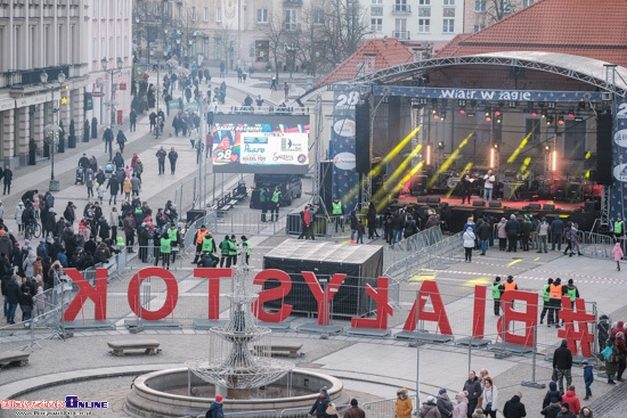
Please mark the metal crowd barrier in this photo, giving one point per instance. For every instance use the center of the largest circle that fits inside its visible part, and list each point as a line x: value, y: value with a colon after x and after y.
x: 596, y: 245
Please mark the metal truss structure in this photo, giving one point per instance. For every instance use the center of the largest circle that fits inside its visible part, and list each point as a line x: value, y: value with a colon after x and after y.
x: 558, y: 67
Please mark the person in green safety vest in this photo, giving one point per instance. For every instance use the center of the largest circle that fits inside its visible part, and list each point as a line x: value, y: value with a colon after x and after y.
x: 224, y: 252
x: 337, y: 211
x: 233, y: 250
x: 247, y: 250
x: 275, y: 203
x: 165, y: 247
x: 119, y: 241
x: 208, y: 244
x: 546, y: 302
x: 497, y: 291
x: 263, y: 202
x: 571, y: 291
x: 174, y: 235
x: 618, y: 228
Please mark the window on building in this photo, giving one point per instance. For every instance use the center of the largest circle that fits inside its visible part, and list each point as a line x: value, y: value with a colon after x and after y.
x: 400, y: 29
x: 477, y: 28
x: 448, y: 12
x: 424, y: 11
x: 219, y: 13
x: 318, y: 16
x: 289, y: 23
x: 401, y: 6
x: 376, y: 24
x: 262, y: 15
x: 449, y: 3
x: 448, y: 25
x: 424, y: 2
x: 193, y: 13
x: 218, y: 46
x: 206, y: 14
x: 376, y: 11
x: 34, y: 61
x: 527, y: 3
x: 94, y: 48
x: 424, y: 25
x: 480, y: 6
x: 377, y: 1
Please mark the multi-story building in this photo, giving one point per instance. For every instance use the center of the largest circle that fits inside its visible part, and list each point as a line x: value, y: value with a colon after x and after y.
x: 42, y: 58
x: 109, y: 60
x: 479, y: 14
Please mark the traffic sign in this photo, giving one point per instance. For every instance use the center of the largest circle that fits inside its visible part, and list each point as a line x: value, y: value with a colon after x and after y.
x: 97, y: 94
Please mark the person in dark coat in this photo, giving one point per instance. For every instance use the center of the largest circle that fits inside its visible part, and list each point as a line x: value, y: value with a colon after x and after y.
x: 215, y: 410
x: 13, y: 298
x: 121, y: 140
x: 107, y: 137
x: 514, y: 408
x: 552, y: 395
x: 472, y: 386
x: 114, y: 186
x: 69, y: 214
x: 562, y: 364
x: 354, y: 411
x: 557, y: 229
x: 483, y: 232
x: 173, y: 156
x: 133, y: 120
x: 319, y: 407
x: 512, y: 229
x: 7, y: 177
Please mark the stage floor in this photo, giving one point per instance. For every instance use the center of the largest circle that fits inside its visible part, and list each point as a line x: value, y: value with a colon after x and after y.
x: 510, y: 204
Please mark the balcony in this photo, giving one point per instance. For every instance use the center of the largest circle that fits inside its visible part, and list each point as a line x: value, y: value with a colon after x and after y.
x: 401, y: 35
x: 401, y: 9
x: 25, y: 78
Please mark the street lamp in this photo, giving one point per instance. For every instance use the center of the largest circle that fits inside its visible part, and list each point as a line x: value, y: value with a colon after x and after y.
x: 52, y: 130
x: 104, y: 62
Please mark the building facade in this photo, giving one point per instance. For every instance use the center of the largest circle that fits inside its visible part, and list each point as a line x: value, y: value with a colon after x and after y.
x: 479, y: 14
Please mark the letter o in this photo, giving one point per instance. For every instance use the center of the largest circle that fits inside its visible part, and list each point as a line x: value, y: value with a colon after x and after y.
x: 172, y: 293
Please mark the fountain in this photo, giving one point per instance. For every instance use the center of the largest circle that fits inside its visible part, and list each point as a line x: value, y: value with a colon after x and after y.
x: 239, y: 368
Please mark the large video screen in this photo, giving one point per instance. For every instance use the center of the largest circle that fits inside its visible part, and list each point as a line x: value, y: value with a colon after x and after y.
x: 265, y: 144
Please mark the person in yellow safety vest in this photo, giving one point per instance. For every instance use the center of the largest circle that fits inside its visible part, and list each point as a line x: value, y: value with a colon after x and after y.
x: 173, y: 234
x: 337, y: 210
x: 119, y: 241
x: 275, y: 202
x: 555, y: 299
x: 247, y: 250
x: 546, y: 302
x: 233, y: 250
x: 571, y: 291
x: 224, y: 252
x: 165, y: 247
x: 200, y: 235
x: 208, y: 244
x: 510, y: 285
x: 496, y: 295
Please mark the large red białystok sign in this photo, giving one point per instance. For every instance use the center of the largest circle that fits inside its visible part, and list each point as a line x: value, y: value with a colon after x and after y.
x: 575, y: 329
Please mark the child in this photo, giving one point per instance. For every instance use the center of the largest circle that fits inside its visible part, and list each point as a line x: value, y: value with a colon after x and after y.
x: 588, y: 378
x: 101, y: 191
x: 617, y: 252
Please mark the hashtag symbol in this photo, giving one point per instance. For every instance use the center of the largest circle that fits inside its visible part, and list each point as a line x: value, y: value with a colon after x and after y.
x: 576, y: 328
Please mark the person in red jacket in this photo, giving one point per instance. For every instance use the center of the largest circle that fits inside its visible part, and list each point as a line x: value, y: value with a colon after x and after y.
x: 571, y: 398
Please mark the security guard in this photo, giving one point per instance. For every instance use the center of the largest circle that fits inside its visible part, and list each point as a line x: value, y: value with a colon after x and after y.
x: 119, y: 241
x: 497, y: 289
x: 275, y: 202
x: 200, y: 235
x: 555, y: 299
x: 571, y: 291
x: 208, y: 244
x: 165, y: 247
x: 546, y: 300
x: 510, y: 285
x: 337, y: 210
x: 233, y: 249
x: 173, y: 234
x: 263, y: 202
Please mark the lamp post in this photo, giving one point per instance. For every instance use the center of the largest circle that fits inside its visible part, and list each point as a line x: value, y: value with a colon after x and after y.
x: 52, y: 130
x: 104, y: 62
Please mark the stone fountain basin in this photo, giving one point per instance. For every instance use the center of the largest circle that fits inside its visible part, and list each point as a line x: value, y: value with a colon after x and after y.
x: 163, y: 393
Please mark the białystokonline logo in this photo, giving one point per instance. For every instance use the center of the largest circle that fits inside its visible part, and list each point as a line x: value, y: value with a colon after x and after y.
x: 43, y: 407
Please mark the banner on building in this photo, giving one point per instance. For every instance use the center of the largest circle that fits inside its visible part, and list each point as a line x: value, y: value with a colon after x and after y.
x: 619, y: 156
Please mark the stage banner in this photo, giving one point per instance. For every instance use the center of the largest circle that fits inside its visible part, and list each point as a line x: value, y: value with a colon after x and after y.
x: 342, y: 146
x: 619, y: 156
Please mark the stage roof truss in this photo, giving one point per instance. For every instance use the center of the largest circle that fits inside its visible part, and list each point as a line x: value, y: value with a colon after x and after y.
x: 402, y: 72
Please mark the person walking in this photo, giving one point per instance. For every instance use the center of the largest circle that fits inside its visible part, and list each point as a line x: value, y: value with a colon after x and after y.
x: 216, y: 408
x: 565, y: 412
x: 121, y: 140
x: 224, y: 252
x: 472, y: 387
x: 461, y: 409
x: 173, y: 156
x: 354, y: 411
x: 469, y: 243
x: 114, y: 187
x: 107, y: 137
x: 7, y: 177
x: 552, y: 409
x: 562, y: 365
x: 588, y: 378
x: 133, y: 120
x: 571, y: 398
x: 555, y: 299
x: 161, y: 154
x: 497, y: 292
x: 403, y: 405
x: 275, y: 202
x: 514, y: 408
x: 490, y: 397
x: 319, y: 408
x: 546, y: 302
x: 247, y: 251
x: 618, y: 254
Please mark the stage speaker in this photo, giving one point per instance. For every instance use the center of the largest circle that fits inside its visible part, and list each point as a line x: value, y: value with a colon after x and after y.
x: 432, y: 199
x: 604, y: 149
x: 362, y: 137
x: 422, y: 199
x: 495, y: 204
x: 479, y: 203
x: 548, y: 206
x: 534, y: 206
x: 325, y: 183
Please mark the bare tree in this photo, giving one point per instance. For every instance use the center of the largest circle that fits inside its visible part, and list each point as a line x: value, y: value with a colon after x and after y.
x: 344, y: 28
x: 311, y: 39
x: 499, y: 9
x: 275, y: 33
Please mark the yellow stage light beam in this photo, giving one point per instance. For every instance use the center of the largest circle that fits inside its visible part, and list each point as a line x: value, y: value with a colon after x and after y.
x: 446, y: 164
x: 523, y: 172
x: 467, y: 167
x: 519, y: 148
x: 399, y: 170
x: 382, y: 204
x: 375, y: 171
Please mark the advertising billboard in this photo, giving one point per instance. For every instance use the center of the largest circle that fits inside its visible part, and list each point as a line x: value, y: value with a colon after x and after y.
x: 275, y: 144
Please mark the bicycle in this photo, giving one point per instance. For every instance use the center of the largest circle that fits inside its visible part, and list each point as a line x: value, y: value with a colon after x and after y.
x: 32, y: 230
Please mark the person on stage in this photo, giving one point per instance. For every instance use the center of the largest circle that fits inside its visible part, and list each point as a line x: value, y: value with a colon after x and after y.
x: 488, y: 185
x: 467, y: 181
